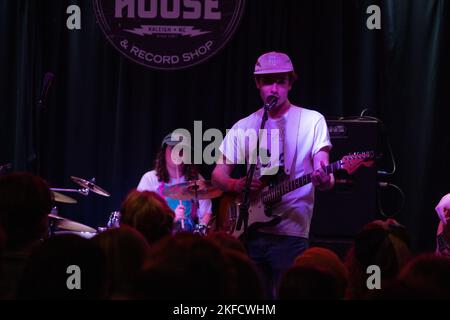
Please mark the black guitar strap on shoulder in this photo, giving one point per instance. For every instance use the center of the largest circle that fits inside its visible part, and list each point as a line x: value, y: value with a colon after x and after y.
x: 243, y: 208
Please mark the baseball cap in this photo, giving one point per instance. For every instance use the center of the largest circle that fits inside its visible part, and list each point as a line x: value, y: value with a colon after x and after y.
x: 167, y: 140
x: 273, y: 62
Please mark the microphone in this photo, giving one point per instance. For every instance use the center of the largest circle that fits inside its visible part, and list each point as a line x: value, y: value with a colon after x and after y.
x: 271, y: 101
x: 46, y: 84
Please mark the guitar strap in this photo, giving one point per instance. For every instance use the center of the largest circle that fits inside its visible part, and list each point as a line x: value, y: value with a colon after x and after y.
x: 291, y: 140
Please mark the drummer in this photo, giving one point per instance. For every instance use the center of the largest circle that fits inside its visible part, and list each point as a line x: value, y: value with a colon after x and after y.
x: 165, y: 174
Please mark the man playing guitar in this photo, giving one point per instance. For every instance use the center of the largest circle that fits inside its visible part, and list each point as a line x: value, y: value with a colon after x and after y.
x: 304, y: 146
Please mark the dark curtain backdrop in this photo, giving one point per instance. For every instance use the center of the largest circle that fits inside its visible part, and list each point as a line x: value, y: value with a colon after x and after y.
x: 106, y: 115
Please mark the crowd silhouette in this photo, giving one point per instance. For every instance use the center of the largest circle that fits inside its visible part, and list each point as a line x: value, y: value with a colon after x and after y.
x: 145, y: 258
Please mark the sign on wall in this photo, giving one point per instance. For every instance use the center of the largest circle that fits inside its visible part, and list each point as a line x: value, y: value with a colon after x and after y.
x: 168, y: 34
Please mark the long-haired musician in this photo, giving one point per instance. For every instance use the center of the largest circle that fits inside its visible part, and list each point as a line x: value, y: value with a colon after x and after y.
x: 168, y: 173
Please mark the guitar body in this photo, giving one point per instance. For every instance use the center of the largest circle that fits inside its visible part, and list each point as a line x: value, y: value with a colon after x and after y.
x: 259, y: 214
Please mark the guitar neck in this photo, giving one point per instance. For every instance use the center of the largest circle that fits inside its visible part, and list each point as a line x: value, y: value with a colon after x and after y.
x: 281, y: 189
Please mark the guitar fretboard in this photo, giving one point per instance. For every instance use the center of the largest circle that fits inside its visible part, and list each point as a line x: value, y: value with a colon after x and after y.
x: 281, y: 189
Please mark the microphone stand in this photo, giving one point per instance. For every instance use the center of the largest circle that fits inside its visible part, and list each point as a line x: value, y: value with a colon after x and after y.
x: 244, y: 205
x: 40, y: 111
x: 39, y: 115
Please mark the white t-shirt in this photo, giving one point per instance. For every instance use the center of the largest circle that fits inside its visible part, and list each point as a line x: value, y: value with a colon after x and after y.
x: 296, y: 207
x: 149, y: 182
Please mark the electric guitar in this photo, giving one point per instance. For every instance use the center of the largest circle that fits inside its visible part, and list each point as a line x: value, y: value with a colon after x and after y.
x: 260, y: 212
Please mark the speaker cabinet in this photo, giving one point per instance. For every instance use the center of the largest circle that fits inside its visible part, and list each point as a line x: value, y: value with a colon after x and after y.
x: 341, y: 212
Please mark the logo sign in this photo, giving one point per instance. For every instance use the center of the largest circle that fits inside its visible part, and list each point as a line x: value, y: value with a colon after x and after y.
x: 168, y: 34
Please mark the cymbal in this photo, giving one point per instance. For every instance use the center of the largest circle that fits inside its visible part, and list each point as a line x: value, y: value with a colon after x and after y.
x: 90, y: 185
x: 59, y: 197
x: 66, y: 224
x: 186, y: 190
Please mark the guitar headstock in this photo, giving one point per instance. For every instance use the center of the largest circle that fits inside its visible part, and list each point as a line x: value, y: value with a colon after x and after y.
x: 352, y: 162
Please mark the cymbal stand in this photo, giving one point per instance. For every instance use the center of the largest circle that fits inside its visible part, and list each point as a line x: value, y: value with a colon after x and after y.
x: 199, y: 228
x: 83, y: 191
x: 51, y: 222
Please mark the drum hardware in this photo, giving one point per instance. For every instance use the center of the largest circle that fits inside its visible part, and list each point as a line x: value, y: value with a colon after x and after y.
x: 201, y: 229
x: 83, y: 191
x: 58, y: 223
x: 86, y: 185
x: 59, y: 197
x: 114, y: 220
x: 90, y: 186
x: 194, y: 191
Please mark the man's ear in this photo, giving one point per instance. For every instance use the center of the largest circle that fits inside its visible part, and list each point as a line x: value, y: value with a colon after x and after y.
x: 257, y: 83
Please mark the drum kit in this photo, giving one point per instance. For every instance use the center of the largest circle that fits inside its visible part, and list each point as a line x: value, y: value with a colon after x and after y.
x: 60, y: 225
x: 193, y: 190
